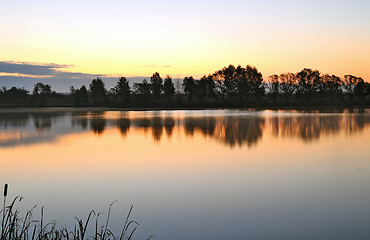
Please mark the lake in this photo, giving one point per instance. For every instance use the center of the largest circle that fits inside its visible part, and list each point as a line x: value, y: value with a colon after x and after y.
x: 204, y: 174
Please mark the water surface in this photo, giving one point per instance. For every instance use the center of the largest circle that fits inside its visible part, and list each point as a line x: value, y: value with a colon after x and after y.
x: 216, y: 174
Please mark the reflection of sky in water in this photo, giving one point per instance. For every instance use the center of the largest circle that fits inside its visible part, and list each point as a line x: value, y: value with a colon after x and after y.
x: 185, y: 177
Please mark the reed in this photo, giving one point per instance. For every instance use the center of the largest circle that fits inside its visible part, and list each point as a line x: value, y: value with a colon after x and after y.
x: 14, y: 227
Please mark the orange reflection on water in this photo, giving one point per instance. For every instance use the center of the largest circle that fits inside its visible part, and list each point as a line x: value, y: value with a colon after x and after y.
x: 191, y: 162
x: 242, y: 128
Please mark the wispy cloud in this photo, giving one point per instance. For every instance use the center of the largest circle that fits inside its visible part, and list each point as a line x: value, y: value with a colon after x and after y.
x: 40, y: 70
x: 26, y: 74
x: 156, y: 66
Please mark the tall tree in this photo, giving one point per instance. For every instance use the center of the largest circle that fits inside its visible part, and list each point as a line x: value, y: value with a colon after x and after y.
x: 97, y: 92
x: 41, y: 89
x: 361, y: 88
x: 242, y: 84
x: 205, y: 87
x: 168, y: 88
x: 331, y: 85
x: 226, y: 81
x: 40, y: 92
x: 287, y: 85
x: 189, y: 87
x: 254, y: 78
x: 14, y: 93
x: 156, y: 84
x: 309, y: 82
x: 80, y: 96
x: 350, y: 83
x: 143, y: 89
x: 123, y: 90
x: 274, y: 87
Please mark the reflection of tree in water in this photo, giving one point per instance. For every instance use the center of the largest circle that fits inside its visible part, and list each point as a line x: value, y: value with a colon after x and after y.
x: 97, y: 124
x: 190, y: 125
x: 169, y: 124
x: 44, y: 120
x: 240, y: 130
x: 355, y: 123
x: 311, y: 127
x: 229, y: 130
x: 79, y: 119
x: 205, y: 125
x: 14, y: 119
x: 308, y: 128
x: 143, y: 123
x: 123, y: 125
x: 237, y: 130
x: 157, y: 128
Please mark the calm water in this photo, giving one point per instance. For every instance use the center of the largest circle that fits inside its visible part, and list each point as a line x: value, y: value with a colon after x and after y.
x: 195, y: 174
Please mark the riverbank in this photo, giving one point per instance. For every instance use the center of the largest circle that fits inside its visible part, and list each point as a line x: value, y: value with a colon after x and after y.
x: 97, y: 109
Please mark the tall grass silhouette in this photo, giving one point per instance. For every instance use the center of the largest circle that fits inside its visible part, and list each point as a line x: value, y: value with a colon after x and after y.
x: 14, y: 227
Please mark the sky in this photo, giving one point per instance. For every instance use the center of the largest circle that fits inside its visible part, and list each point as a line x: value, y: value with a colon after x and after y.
x: 78, y: 39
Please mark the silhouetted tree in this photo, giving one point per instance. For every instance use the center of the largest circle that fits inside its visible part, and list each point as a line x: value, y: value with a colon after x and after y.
x: 308, y: 82
x: 123, y: 90
x: 80, y: 96
x: 254, y: 78
x: 189, y: 87
x: 243, y: 85
x: 238, y: 86
x: 156, y: 85
x: 13, y: 93
x: 274, y: 87
x: 168, y: 88
x: 97, y: 92
x: 40, y: 92
x: 142, y: 89
x: 361, y: 88
x: 226, y: 81
x: 229, y: 75
x: 331, y: 85
x: 210, y: 83
x: 287, y: 85
x: 41, y: 89
x: 205, y: 87
x: 350, y: 83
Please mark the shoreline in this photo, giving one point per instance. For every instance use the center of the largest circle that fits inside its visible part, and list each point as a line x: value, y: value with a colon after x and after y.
x: 79, y: 109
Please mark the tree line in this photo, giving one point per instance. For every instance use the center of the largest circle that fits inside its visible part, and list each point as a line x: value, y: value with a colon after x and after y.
x: 228, y: 87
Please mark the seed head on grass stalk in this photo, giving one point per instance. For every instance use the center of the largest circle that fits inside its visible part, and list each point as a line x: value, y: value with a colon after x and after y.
x: 2, y: 222
x: 6, y: 190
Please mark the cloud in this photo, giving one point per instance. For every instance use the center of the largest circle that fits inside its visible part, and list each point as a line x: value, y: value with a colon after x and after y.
x: 25, y: 74
x: 156, y: 66
x: 51, y: 70
x: 30, y: 68
x: 150, y: 66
